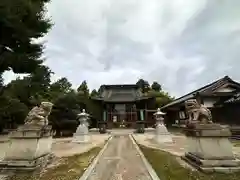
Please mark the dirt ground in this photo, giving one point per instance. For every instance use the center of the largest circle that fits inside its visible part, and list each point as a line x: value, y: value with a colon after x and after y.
x: 63, y: 150
x: 63, y: 147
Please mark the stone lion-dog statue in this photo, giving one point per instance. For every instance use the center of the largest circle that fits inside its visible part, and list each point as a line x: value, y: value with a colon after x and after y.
x: 39, y: 114
x: 197, y: 113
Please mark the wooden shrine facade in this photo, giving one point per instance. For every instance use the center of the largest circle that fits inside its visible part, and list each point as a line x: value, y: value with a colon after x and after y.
x: 222, y: 97
x: 124, y: 105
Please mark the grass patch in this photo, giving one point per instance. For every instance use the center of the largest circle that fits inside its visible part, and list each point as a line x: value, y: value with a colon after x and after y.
x: 168, y: 168
x: 70, y: 168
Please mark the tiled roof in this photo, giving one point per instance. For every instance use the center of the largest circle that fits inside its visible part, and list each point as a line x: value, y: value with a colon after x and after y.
x: 234, y: 98
x: 120, y: 86
x: 120, y: 93
x: 209, y: 88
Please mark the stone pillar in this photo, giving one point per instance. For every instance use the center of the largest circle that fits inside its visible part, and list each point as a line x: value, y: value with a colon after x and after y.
x: 161, y: 134
x: 82, y: 135
x: 140, y: 124
x: 209, y: 148
x: 4, y: 142
x: 29, y: 147
x: 102, y: 127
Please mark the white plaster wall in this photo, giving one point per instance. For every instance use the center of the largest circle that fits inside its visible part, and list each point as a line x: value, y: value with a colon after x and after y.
x: 209, y: 102
x: 225, y: 89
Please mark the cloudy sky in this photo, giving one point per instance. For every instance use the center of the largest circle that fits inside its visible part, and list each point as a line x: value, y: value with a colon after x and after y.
x: 183, y: 44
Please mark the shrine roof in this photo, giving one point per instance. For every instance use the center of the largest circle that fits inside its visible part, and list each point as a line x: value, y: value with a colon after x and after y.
x: 120, y: 93
x: 120, y: 86
x: 207, y: 90
x: 233, y: 99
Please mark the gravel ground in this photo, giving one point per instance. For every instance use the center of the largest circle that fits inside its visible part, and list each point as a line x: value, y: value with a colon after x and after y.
x: 64, y: 147
x: 3, y: 177
x: 120, y: 161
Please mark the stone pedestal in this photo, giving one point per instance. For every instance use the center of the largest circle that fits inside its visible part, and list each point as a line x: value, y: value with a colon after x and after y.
x: 81, y: 135
x: 140, y: 127
x: 29, y: 147
x: 3, y: 146
x: 162, y: 135
x: 209, y: 148
x: 81, y: 138
x: 102, y: 127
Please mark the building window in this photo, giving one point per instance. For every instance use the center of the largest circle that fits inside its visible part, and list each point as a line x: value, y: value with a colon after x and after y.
x: 182, y: 115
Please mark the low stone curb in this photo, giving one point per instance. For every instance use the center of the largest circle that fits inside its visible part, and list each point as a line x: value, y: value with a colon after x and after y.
x: 149, y: 168
x: 158, y: 148
x: 93, y: 164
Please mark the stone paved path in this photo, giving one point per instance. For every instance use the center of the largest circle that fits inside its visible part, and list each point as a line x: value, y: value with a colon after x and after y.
x: 120, y: 161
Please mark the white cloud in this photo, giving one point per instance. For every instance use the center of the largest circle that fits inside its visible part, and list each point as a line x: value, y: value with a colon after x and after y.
x: 183, y: 44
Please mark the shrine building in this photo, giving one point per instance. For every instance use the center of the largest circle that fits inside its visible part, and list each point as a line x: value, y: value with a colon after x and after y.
x: 222, y: 97
x: 123, y: 105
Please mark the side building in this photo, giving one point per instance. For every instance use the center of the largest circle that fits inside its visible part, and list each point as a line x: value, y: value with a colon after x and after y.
x: 125, y: 105
x: 222, y: 97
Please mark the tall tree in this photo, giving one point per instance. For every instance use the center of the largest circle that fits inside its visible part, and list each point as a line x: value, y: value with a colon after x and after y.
x: 83, y: 88
x: 156, y: 86
x: 162, y: 98
x: 1, y: 84
x: 59, y: 88
x: 143, y: 85
x: 22, y: 22
x: 94, y: 93
x: 61, y: 85
x: 1, y: 80
x: 40, y: 78
x: 64, y: 113
x: 12, y: 112
x: 140, y: 83
x: 100, y: 90
x: 33, y: 88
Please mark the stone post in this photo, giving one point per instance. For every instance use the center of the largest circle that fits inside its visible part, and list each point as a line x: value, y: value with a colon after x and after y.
x: 140, y: 124
x: 103, y: 124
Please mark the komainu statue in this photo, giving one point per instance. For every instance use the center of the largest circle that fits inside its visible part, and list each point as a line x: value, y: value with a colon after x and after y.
x: 39, y: 114
x: 198, y: 113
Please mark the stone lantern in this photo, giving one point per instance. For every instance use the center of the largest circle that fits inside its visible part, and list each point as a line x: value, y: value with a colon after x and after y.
x: 81, y: 135
x: 159, y: 117
x: 162, y: 135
